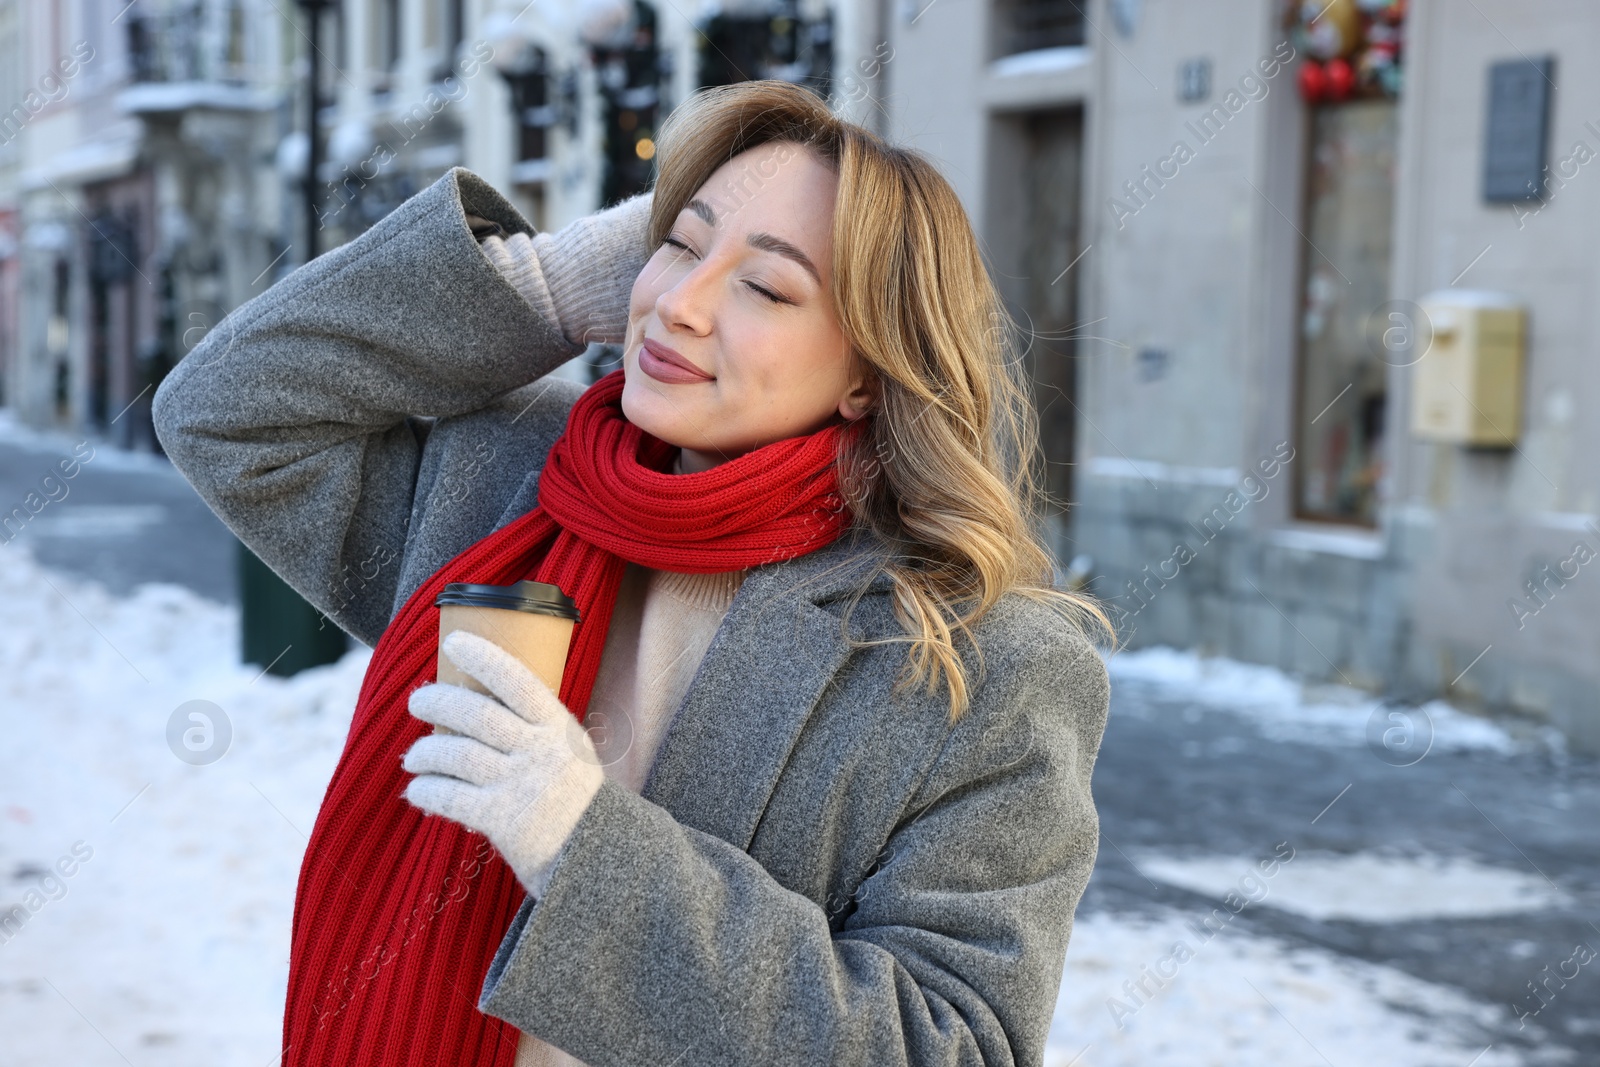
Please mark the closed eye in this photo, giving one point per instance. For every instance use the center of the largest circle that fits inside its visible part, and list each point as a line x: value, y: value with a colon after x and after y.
x: 774, y: 297
x: 767, y: 293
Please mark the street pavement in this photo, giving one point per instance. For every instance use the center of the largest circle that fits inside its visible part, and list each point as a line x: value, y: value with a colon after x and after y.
x: 1186, y: 788
x: 124, y: 519
x: 1179, y: 778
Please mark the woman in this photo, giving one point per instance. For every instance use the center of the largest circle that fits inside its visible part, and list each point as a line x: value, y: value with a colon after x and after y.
x: 835, y: 805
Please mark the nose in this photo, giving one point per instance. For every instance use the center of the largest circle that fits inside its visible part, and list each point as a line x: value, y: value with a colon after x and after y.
x: 688, y: 304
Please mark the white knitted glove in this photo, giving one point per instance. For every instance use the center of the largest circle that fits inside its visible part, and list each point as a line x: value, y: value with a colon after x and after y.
x: 521, y: 770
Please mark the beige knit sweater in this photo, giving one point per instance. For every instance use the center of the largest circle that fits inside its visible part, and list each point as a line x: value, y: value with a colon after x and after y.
x: 663, y: 621
x: 660, y: 628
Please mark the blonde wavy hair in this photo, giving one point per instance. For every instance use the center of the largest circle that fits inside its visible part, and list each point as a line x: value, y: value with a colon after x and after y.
x: 949, y: 472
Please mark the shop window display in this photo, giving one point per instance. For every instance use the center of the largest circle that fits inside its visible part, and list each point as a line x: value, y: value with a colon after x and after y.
x: 1351, y: 81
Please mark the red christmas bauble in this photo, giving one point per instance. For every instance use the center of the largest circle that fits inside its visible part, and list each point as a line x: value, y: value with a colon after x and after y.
x: 1313, y: 81
x: 1340, y: 78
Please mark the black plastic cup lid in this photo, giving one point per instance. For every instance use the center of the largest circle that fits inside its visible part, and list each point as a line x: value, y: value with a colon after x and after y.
x: 539, y: 598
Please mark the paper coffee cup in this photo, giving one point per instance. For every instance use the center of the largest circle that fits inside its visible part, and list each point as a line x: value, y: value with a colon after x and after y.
x: 531, y: 620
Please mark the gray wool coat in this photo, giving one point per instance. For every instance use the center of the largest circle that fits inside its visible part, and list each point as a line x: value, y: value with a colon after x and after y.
x: 815, y: 872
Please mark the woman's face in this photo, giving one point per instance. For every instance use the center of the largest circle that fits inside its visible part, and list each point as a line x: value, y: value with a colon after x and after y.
x: 740, y: 290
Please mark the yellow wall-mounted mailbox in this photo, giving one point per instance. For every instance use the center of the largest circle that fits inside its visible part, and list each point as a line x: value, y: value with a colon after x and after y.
x: 1467, y: 387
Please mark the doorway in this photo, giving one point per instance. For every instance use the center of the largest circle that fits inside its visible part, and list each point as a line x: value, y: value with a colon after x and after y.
x: 1033, y: 227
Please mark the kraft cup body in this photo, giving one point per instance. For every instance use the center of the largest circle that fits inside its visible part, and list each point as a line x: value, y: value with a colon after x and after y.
x: 539, y: 641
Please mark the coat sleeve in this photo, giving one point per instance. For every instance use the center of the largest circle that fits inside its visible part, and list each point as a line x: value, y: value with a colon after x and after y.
x: 659, y: 943
x: 301, y: 418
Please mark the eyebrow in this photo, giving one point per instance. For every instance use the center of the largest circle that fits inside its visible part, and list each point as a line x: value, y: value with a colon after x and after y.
x: 703, y: 209
x: 765, y: 242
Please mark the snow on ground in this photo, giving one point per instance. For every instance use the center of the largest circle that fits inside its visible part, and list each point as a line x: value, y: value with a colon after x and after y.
x: 1366, y: 887
x: 1285, y: 708
x: 167, y: 942
x: 1245, y: 1001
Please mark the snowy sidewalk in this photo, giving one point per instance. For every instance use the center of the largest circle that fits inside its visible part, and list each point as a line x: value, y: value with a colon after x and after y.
x: 1306, y: 875
x: 168, y: 941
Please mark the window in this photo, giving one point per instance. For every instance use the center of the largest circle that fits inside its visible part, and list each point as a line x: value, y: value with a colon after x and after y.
x: 443, y: 30
x: 530, y: 91
x: 383, y: 43
x: 235, y: 53
x: 432, y: 17
x: 1029, y: 25
x: 1342, y: 378
x: 736, y: 46
x: 1350, y: 79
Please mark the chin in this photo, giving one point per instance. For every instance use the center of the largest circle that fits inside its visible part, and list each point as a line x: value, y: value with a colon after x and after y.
x: 646, y: 409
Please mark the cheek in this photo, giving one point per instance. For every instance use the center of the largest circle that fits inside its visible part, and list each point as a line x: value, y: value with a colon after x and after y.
x: 822, y: 362
x: 796, y: 367
x: 641, y: 298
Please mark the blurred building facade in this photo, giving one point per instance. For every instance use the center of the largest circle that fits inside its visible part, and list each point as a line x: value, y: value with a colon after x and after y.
x: 154, y: 154
x: 1260, y: 251
x: 131, y: 172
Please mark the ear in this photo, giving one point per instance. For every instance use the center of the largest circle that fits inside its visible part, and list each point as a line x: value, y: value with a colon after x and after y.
x: 862, y: 396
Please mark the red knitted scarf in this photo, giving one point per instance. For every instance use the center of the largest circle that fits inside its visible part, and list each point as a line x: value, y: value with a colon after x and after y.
x: 398, y: 914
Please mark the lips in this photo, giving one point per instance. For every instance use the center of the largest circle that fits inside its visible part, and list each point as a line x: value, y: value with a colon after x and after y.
x: 663, y: 364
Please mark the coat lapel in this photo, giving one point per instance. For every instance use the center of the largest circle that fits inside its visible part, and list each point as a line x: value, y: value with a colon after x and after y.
x: 761, y: 676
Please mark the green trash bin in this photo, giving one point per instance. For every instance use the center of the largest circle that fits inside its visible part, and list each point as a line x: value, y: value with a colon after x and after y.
x: 281, y: 631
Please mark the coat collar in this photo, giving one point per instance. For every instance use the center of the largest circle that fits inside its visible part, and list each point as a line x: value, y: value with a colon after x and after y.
x: 762, y: 675
x: 830, y: 572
